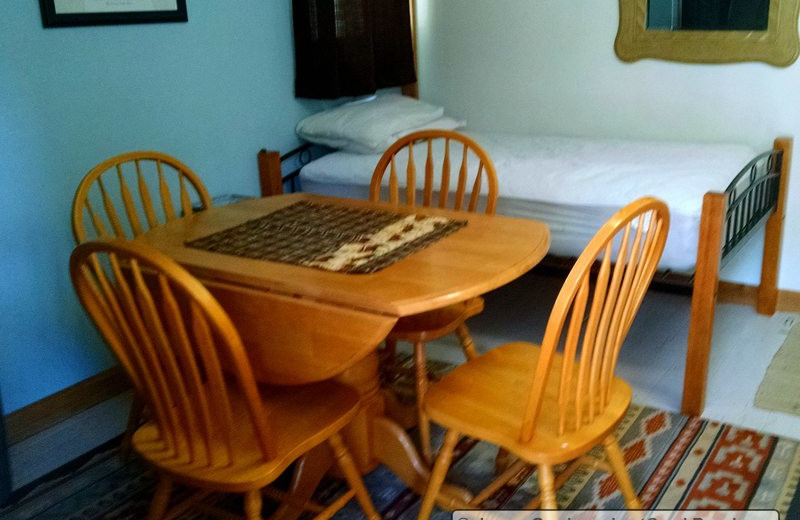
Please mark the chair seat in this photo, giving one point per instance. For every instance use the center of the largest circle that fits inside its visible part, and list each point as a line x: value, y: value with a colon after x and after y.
x: 301, y: 417
x: 486, y: 398
x: 431, y: 325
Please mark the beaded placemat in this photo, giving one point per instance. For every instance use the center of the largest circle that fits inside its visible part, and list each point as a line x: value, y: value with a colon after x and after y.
x: 330, y: 237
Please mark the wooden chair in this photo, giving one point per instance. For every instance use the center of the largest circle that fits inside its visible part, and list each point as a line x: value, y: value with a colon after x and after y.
x: 457, y: 149
x: 550, y: 407
x: 105, y: 202
x: 212, y: 426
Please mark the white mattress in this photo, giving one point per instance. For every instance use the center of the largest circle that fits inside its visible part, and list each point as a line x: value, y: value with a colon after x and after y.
x: 574, y: 184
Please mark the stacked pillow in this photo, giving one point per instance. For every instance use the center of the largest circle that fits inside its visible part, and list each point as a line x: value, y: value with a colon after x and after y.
x: 371, y: 125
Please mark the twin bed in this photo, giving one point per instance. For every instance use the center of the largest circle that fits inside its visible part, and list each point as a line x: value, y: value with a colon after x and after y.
x: 717, y: 194
x: 573, y: 185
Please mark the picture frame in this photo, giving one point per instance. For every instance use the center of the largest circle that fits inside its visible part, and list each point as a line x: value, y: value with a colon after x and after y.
x: 779, y: 45
x: 75, y: 13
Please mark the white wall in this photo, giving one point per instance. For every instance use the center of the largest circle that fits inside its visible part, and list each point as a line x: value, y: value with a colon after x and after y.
x: 548, y: 67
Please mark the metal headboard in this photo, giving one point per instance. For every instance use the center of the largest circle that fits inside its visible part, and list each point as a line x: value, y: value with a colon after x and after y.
x: 296, y: 159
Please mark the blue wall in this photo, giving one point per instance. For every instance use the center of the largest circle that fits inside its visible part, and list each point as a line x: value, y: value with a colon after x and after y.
x: 211, y: 92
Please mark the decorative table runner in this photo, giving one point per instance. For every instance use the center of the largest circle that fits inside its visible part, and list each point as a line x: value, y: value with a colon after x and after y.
x: 330, y: 237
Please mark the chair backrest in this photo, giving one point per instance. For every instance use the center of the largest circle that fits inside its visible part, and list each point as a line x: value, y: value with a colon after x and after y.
x: 173, y: 339
x: 438, y: 145
x: 104, y: 201
x: 626, y: 251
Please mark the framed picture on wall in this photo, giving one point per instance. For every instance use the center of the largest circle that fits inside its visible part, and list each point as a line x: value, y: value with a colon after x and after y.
x: 70, y: 13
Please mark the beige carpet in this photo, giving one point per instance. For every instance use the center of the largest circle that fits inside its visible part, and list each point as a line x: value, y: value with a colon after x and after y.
x: 780, y: 389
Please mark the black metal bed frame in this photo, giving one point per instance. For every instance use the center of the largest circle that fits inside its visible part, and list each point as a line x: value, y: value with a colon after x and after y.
x: 750, y: 197
x: 299, y: 157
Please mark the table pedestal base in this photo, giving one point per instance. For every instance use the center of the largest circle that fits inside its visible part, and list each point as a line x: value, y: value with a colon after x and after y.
x: 308, y: 472
x: 373, y: 439
x: 394, y: 448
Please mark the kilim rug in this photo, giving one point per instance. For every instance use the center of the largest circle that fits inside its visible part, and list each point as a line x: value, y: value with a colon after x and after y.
x: 674, y: 462
x: 780, y: 388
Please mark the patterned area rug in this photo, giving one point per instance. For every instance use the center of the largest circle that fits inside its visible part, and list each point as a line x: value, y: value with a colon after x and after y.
x: 674, y: 462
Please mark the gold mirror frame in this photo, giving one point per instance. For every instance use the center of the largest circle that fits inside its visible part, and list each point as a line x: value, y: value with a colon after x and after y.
x: 778, y: 45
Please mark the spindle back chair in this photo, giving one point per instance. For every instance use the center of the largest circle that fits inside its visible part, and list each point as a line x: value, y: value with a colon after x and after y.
x: 131, y: 193
x: 472, y: 165
x: 127, y: 195
x: 627, y: 249
x: 573, y: 401
x: 212, y: 427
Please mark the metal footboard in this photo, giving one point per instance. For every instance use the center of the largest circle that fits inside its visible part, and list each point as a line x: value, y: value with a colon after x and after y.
x: 750, y: 198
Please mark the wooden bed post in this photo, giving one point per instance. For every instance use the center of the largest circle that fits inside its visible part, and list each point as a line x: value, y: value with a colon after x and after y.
x: 767, y: 298
x: 706, y: 281
x: 704, y: 299
x: 269, y: 173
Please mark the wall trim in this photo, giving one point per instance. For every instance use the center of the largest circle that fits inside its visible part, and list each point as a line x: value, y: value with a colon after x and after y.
x: 743, y: 294
x: 738, y: 293
x: 45, y: 413
x: 789, y: 301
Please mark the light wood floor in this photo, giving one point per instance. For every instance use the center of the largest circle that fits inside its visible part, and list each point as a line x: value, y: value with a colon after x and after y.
x: 652, y: 361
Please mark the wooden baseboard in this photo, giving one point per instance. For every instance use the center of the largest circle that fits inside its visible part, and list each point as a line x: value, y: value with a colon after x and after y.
x: 742, y: 294
x: 51, y: 410
x: 789, y: 301
x: 738, y: 293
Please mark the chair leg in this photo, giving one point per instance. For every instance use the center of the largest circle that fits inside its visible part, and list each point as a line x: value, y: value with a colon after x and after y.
x: 617, y: 461
x: 348, y: 467
x: 437, y: 474
x: 502, y: 460
x: 158, y: 506
x: 547, y: 490
x: 134, y: 419
x: 561, y: 479
x: 501, y: 480
x: 466, y: 341
x: 421, y: 369
x: 252, y: 504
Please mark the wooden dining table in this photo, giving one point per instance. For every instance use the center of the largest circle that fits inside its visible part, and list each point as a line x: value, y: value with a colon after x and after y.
x: 303, y: 324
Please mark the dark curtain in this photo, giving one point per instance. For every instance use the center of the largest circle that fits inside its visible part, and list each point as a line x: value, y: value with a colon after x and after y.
x: 351, y: 47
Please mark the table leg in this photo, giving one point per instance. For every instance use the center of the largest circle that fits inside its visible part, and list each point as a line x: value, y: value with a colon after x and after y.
x: 375, y: 439
x: 395, y: 449
x: 308, y: 472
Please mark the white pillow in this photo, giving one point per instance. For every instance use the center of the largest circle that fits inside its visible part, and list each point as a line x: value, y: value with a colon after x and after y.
x: 368, y: 124
x: 442, y: 123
